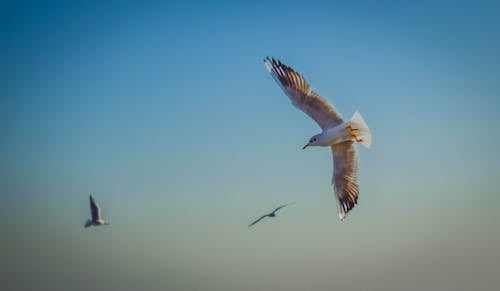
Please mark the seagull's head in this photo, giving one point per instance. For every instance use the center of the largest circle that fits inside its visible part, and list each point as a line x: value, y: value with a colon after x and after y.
x: 313, y: 141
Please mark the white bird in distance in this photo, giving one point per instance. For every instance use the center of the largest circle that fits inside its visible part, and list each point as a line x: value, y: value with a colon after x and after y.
x: 336, y: 133
x: 95, y: 211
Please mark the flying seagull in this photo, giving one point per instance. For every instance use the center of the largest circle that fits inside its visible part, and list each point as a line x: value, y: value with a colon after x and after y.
x: 272, y: 214
x: 336, y: 133
x: 96, y: 219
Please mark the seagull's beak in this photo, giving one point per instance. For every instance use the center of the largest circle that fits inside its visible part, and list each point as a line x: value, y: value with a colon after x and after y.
x: 305, y: 146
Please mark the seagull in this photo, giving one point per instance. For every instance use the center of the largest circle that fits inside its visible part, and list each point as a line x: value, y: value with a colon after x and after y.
x: 96, y: 215
x: 272, y: 214
x: 336, y: 133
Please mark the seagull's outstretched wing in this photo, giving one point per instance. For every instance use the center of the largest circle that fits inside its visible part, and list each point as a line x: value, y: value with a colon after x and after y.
x: 302, y: 95
x: 278, y: 208
x: 345, y: 167
x: 95, y: 209
x: 258, y: 220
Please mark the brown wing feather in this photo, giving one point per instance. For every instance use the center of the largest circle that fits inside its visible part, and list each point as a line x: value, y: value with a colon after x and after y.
x: 345, y: 168
x: 302, y: 96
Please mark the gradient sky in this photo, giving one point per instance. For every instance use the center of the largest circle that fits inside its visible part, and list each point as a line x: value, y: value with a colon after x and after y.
x: 166, y: 113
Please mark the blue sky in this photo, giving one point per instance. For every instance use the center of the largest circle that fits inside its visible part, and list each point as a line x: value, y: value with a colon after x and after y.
x: 165, y: 112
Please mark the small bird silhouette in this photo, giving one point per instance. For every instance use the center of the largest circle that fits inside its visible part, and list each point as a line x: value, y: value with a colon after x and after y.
x: 272, y: 214
x: 96, y: 219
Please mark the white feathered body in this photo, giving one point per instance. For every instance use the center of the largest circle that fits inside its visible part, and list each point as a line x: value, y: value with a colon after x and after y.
x: 335, y: 135
x: 353, y: 130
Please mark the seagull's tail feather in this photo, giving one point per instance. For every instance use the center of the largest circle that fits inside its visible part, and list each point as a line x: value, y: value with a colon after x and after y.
x: 364, y: 135
x: 88, y: 223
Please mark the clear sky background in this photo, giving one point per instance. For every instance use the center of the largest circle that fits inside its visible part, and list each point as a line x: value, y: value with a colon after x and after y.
x: 165, y: 112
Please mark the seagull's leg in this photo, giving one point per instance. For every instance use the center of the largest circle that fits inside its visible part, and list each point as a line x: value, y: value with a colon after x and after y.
x: 354, y: 133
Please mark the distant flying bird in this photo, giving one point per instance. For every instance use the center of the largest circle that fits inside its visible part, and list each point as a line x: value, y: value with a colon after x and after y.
x: 272, y: 214
x: 96, y: 215
x: 336, y: 133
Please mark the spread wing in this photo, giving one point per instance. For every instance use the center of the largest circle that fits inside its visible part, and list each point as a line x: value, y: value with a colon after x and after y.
x: 258, y: 220
x: 345, y: 168
x: 302, y: 95
x: 278, y: 208
x: 94, y: 209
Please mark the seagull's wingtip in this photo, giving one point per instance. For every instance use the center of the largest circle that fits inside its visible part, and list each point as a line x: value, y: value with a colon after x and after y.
x: 268, y: 65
